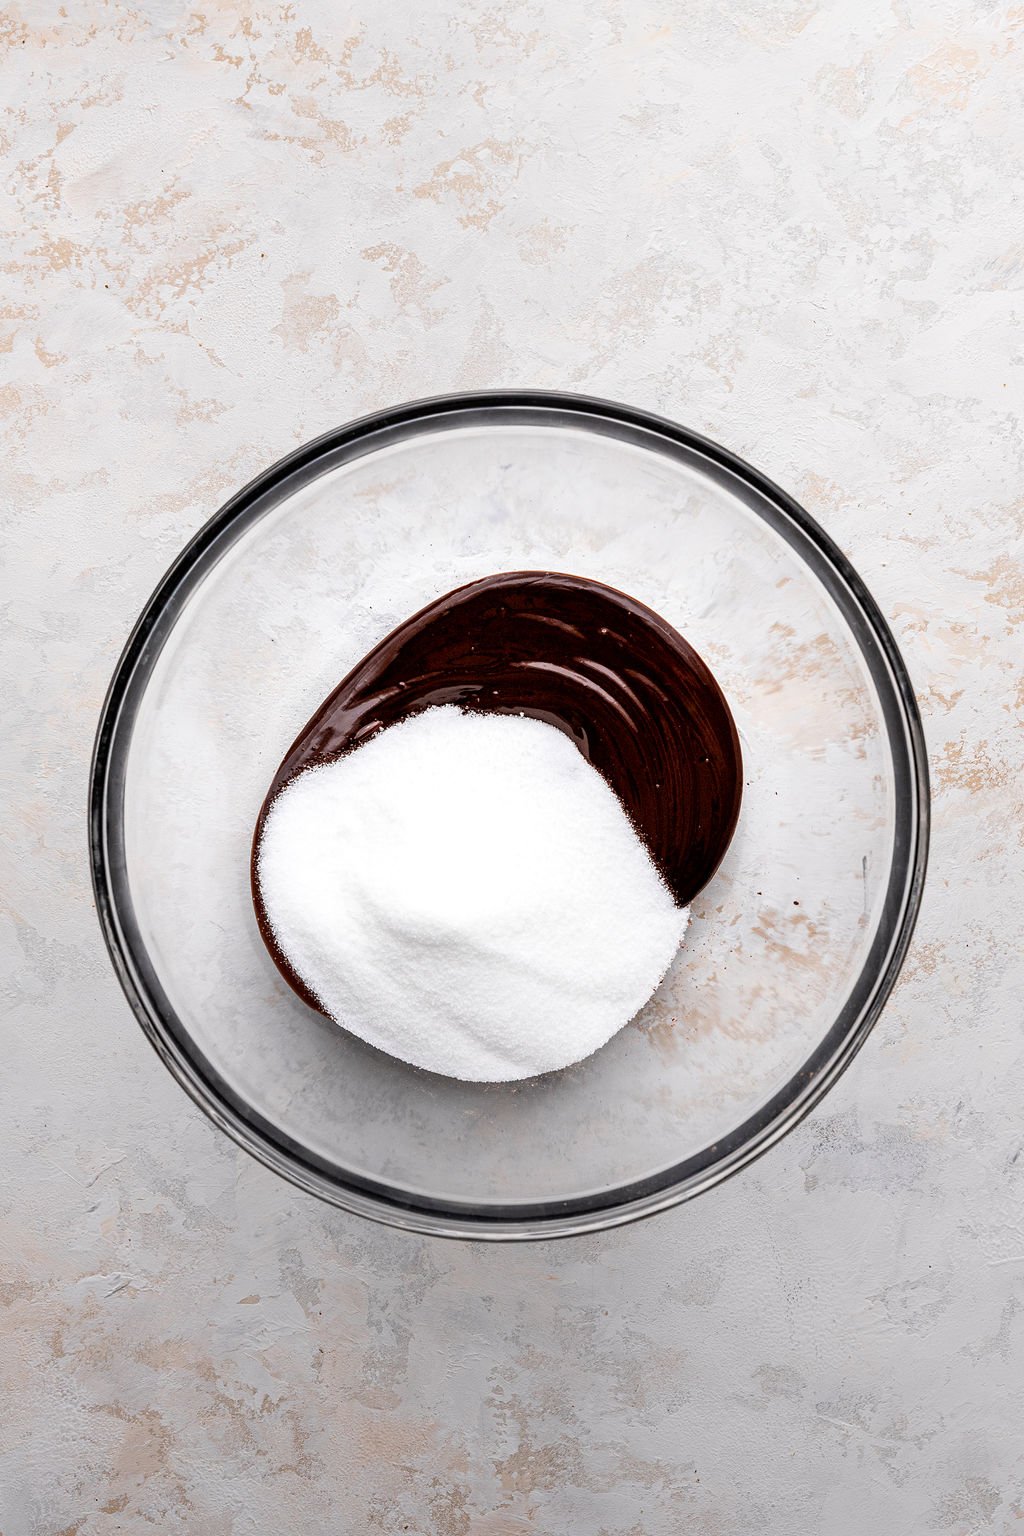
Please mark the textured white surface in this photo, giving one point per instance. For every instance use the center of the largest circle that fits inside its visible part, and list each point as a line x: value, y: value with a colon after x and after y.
x: 790, y: 226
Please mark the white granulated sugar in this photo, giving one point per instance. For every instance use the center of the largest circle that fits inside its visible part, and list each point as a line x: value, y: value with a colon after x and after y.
x: 468, y: 894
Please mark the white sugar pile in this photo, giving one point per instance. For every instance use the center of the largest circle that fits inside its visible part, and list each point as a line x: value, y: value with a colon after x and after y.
x: 467, y: 893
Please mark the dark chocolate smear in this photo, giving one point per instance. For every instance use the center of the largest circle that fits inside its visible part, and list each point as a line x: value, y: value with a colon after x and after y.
x: 637, y: 700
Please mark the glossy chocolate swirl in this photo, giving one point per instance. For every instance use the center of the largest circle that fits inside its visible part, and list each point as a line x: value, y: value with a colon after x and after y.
x: 637, y: 700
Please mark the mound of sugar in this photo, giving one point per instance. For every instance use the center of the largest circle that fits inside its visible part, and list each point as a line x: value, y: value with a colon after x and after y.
x: 467, y: 893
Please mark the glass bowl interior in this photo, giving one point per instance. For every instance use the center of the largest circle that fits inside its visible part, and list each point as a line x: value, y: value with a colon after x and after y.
x: 792, y: 947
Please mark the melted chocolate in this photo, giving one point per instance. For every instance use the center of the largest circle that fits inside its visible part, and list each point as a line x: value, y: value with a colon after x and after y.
x: 637, y: 700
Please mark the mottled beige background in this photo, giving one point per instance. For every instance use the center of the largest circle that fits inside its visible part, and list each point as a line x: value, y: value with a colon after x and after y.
x: 789, y: 225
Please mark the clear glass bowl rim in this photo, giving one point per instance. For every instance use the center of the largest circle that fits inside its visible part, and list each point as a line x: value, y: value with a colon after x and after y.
x: 614, y: 1206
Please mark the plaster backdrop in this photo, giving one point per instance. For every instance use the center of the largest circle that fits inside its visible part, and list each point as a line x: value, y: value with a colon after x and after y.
x: 789, y: 225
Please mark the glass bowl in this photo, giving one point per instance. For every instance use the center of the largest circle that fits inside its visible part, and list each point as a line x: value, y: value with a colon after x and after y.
x: 792, y: 949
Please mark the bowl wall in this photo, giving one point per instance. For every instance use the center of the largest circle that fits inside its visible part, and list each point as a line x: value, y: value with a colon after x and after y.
x: 791, y: 948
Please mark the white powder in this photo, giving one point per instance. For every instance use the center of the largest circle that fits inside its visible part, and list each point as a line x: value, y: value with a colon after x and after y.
x: 467, y: 893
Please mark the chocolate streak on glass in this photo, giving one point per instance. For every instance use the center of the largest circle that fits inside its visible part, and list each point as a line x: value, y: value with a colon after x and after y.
x: 637, y: 700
